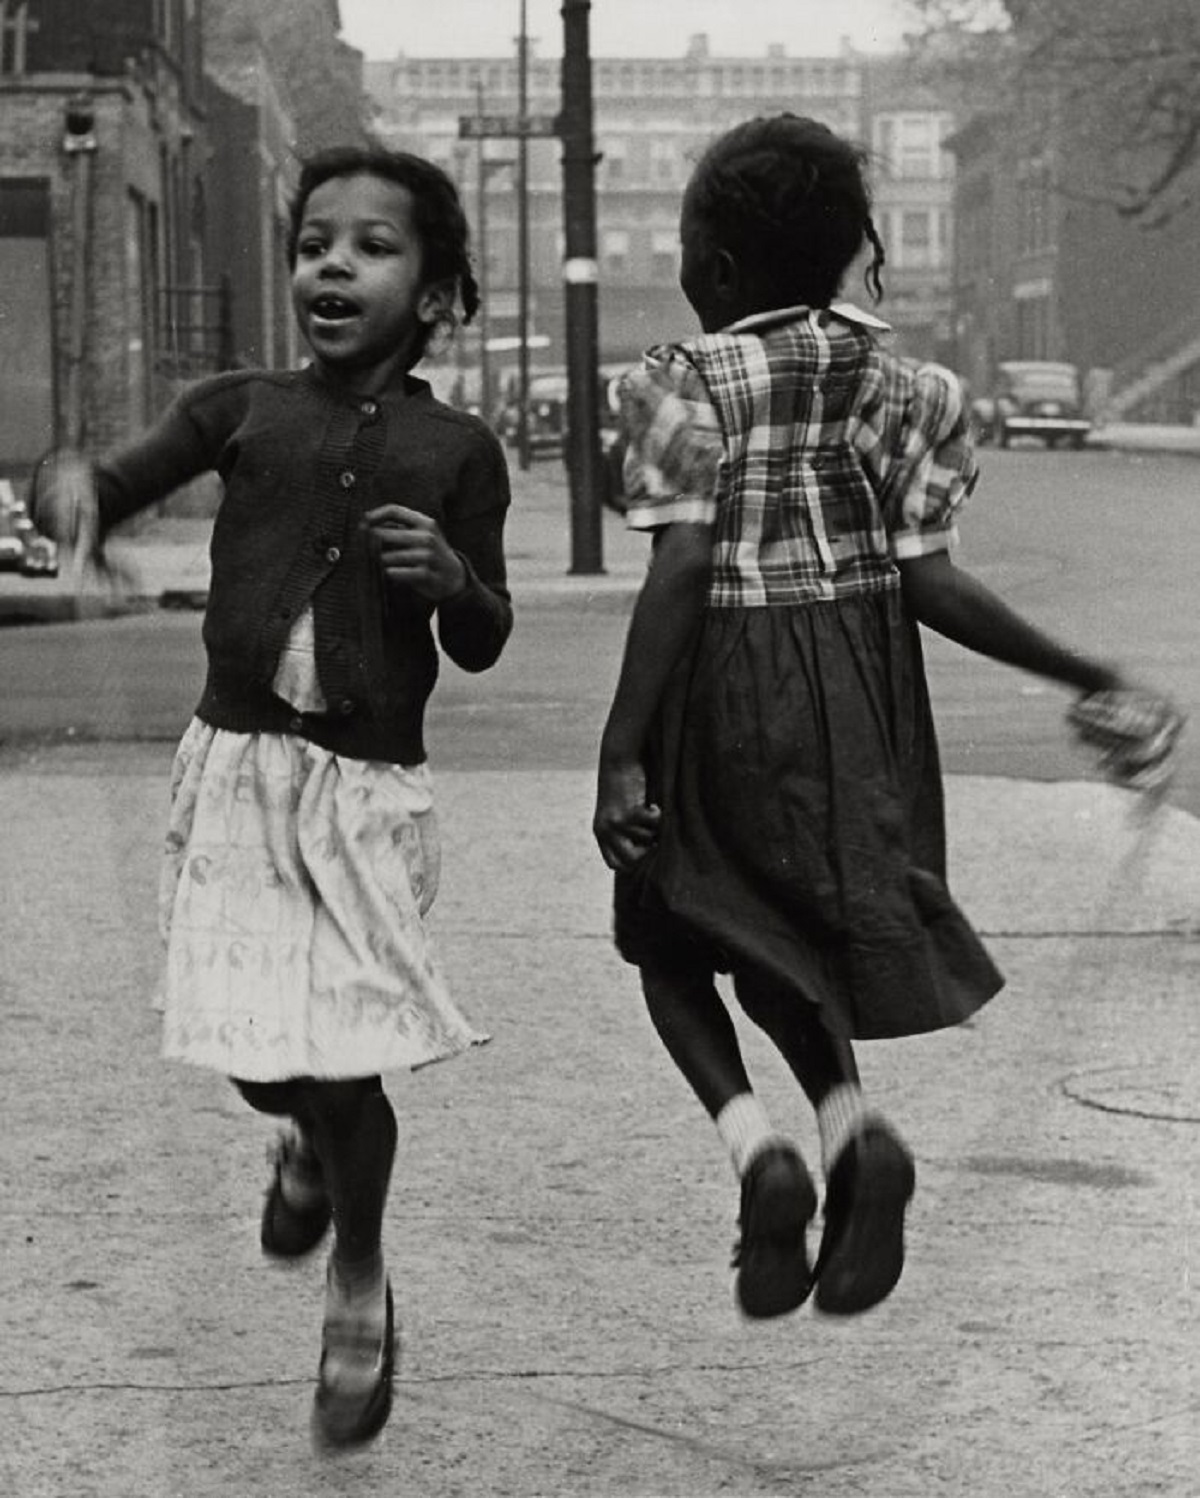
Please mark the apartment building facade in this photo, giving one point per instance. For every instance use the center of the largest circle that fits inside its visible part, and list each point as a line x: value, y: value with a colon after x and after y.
x: 653, y: 117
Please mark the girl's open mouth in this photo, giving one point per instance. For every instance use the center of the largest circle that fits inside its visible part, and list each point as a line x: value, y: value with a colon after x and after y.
x: 330, y: 308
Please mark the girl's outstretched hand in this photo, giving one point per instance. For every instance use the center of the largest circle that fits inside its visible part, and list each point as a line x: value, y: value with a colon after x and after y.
x: 1134, y: 732
x: 624, y: 826
x: 412, y: 550
x: 64, y: 505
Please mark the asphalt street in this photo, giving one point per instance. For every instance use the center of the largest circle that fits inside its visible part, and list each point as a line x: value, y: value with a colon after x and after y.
x: 561, y: 1214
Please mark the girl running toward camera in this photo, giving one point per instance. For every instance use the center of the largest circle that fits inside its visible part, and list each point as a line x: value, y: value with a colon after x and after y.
x: 302, y: 854
x: 769, y: 789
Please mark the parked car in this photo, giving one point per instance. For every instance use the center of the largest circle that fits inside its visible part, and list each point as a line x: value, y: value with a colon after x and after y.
x: 22, y: 546
x: 1033, y: 398
x: 547, y: 412
x: 548, y: 409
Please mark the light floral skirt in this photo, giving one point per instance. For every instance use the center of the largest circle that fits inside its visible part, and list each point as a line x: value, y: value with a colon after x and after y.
x: 294, y: 888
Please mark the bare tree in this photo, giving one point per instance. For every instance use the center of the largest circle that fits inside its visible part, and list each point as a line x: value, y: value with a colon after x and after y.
x: 1125, y: 74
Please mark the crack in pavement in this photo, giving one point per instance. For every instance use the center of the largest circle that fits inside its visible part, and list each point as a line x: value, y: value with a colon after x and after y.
x: 412, y: 1381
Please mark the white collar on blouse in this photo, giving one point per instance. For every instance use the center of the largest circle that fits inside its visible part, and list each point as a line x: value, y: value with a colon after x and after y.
x: 844, y: 311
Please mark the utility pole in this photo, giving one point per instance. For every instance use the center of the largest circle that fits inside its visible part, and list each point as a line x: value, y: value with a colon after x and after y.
x: 580, y: 276
x: 523, y: 247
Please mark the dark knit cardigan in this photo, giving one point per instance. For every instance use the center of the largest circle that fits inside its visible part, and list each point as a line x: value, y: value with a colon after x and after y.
x: 301, y: 463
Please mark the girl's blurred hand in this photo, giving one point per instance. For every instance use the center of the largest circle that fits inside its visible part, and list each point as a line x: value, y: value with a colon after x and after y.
x: 1135, y: 733
x: 62, y: 500
x: 624, y: 826
x: 412, y: 550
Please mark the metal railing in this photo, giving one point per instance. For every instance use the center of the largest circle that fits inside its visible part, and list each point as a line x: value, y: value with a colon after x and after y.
x: 195, y: 332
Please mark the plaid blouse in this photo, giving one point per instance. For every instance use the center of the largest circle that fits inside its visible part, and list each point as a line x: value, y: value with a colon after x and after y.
x: 819, y: 458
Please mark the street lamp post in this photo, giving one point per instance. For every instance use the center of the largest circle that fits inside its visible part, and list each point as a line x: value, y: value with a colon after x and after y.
x: 485, y: 363
x: 523, y: 247
x: 79, y: 143
x: 580, y: 275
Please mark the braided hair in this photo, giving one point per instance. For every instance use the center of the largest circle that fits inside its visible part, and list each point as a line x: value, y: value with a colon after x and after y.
x: 437, y: 217
x: 788, y: 200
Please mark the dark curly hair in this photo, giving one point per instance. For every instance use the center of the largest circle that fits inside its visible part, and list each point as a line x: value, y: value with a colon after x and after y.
x: 788, y: 199
x: 437, y: 216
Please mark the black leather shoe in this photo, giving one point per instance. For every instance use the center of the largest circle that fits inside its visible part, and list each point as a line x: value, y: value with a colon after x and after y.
x: 771, y: 1257
x: 862, y: 1248
x: 344, y: 1419
x: 287, y: 1232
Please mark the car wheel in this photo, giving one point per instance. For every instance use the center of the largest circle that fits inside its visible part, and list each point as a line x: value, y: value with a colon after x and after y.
x: 1077, y: 441
x: 1001, y: 435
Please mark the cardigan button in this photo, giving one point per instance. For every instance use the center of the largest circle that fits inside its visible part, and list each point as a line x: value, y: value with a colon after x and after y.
x: 346, y: 479
x: 370, y: 409
x: 333, y: 554
x: 346, y: 706
x: 296, y: 724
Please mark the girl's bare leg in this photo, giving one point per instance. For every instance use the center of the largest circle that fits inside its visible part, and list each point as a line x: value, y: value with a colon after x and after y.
x: 819, y: 1059
x: 777, y: 1195
x: 355, y: 1131
x: 695, y: 1026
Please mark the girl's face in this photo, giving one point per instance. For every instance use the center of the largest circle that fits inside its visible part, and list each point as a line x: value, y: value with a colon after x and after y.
x: 357, y: 285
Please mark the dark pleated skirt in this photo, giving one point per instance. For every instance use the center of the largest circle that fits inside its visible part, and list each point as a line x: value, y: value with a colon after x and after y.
x: 803, y: 831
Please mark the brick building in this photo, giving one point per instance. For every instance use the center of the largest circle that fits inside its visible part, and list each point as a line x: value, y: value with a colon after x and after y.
x: 94, y: 235
x: 1046, y: 268
x: 653, y: 117
x: 147, y: 150
x: 281, y: 84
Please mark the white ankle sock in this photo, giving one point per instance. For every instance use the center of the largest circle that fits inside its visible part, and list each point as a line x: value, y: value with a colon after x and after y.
x: 744, y: 1126
x: 839, y: 1116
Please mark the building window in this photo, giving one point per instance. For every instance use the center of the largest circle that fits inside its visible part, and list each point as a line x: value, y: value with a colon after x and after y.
x: 15, y: 28
x: 909, y: 146
x: 664, y: 254
x: 664, y: 161
x: 616, y: 162
x: 1035, y: 220
x: 944, y: 244
x: 916, y: 239
x: 616, y: 251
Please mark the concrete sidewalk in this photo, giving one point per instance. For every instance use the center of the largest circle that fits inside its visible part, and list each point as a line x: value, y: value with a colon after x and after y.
x: 562, y: 1213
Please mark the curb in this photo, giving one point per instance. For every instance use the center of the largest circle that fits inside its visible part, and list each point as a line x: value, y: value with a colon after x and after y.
x: 66, y: 608
x: 1098, y: 442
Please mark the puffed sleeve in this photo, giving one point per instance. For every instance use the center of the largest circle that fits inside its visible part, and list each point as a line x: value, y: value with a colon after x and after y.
x: 931, y: 469
x: 674, y: 443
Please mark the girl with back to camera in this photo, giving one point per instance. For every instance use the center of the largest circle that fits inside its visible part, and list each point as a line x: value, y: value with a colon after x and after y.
x: 302, y: 852
x: 769, y: 790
